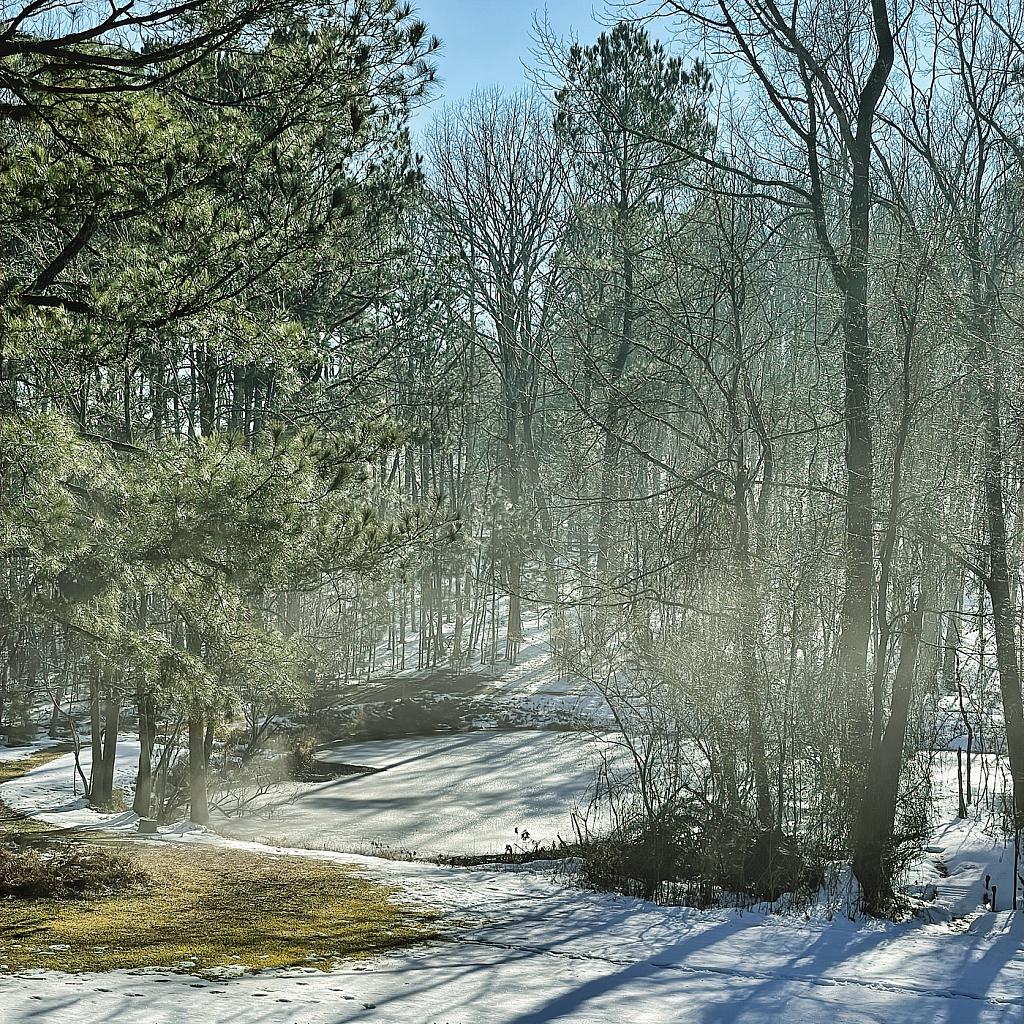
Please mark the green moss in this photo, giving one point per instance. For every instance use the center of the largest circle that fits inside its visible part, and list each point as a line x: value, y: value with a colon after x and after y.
x: 211, y: 910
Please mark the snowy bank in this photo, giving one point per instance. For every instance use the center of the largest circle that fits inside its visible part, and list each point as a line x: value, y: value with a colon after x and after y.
x: 524, y: 947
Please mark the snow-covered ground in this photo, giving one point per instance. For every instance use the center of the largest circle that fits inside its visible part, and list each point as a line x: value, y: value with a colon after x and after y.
x: 531, y: 688
x: 524, y: 946
x: 464, y: 793
x: 467, y: 793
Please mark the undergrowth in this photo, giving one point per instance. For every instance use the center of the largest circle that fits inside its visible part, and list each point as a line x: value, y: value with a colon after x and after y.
x: 65, y: 873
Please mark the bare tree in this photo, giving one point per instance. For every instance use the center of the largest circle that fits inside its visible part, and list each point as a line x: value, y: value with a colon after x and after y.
x: 963, y: 123
x: 497, y: 190
x: 822, y: 77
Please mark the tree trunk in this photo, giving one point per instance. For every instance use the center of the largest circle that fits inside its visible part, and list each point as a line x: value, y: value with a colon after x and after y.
x: 96, y: 735
x: 997, y: 583
x: 208, y: 382
x: 147, y: 729
x: 105, y: 710
x: 753, y: 685
x: 147, y: 740
x: 873, y: 831
x: 513, y: 485
x: 199, y: 810
x: 859, y: 469
x: 111, y: 718
x: 613, y: 424
x: 54, y: 711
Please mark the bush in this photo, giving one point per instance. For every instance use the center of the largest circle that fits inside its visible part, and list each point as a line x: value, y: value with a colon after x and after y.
x: 117, y: 803
x: 695, y: 864
x: 635, y: 864
x: 302, y: 750
x: 71, y: 872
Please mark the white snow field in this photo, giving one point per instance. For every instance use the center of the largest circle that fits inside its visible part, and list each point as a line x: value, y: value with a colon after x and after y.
x: 456, y: 793
x: 523, y: 946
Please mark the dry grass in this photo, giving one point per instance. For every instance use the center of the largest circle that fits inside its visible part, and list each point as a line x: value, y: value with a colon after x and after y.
x: 70, y: 872
x: 197, y: 909
x: 207, y: 911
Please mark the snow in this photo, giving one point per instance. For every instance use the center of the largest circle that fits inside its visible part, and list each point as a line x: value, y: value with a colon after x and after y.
x: 961, y: 855
x: 548, y: 953
x: 17, y: 753
x: 51, y: 793
x: 464, y: 793
x: 525, y: 946
x: 532, y: 686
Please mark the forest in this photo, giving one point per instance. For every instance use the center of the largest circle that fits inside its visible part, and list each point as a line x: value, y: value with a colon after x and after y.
x: 708, y: 361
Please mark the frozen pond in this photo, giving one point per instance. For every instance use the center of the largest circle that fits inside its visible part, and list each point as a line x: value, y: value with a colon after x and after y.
x: 458, y: 793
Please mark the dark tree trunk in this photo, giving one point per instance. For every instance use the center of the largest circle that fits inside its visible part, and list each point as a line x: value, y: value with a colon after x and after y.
x: 199, y: 809
x: 111, y: 718
x: 873, y: 831
x: 96, y: 735
x: 859, y: 465
x: 997, y: 583
x: 104, y: 713
x: 208, y: 382
x: 147, y: 740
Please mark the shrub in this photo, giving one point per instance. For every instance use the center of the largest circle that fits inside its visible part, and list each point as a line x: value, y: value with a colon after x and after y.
x: 695, y: 863
x: 70, y: 872
x: 302, y: 751
x: 117, y: 803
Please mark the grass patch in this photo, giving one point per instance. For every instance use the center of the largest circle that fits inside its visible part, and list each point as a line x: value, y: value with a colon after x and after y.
x: 197, y: 910
x: 213, y: 912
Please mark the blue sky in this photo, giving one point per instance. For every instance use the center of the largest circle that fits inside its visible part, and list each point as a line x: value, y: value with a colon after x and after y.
x: 486, y: 41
